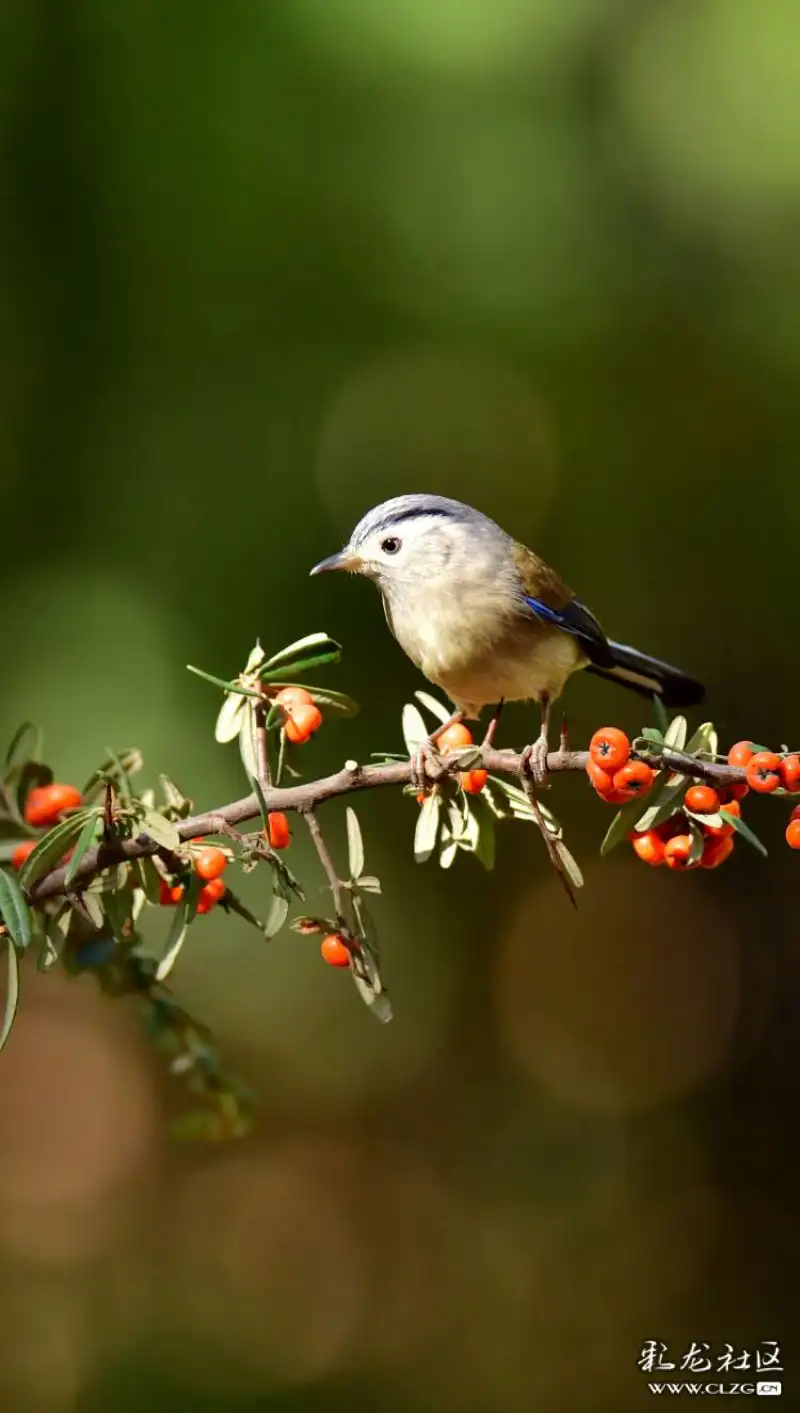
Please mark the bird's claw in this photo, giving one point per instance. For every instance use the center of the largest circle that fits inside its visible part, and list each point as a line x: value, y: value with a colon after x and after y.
x: 427, y: 753
x: 533, y: 763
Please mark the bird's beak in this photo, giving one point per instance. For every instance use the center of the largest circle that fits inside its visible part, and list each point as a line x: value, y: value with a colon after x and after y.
x: 345, y: 559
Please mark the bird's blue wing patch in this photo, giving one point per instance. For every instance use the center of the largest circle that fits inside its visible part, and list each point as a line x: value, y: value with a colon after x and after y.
x: 576, y: 619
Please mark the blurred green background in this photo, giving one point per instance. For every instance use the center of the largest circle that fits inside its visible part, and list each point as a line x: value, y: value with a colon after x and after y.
x: 263, y: 264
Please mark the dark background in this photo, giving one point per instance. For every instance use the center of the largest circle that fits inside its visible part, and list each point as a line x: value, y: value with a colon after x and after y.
x: 263, y: 264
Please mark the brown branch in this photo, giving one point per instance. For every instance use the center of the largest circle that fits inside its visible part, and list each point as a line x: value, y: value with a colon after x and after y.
x: 327, y: 863
x: 352, y: 778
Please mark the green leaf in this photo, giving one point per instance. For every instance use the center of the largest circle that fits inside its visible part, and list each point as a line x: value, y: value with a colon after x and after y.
x: 368, y: 884
x: 229, y: 719
x: 315, y: 647
x: 698, y: 843
x: 117, y: 768
x: 675, y: 734
x: 704, y: 739
x: 328, y: 700
x: 651, y: 734
x: 262, y: 804
x: 14, y: 910
x: 51, y: 847
x: 235, y: 687
x: 119, y: 914
x: 745, y: 831
x: 442, y: 713
x: 624, y: 820
x: 56, y: 932
x: 568, y: 864
x: 26, y: 744
x: 184, y: 915
x: 162, y: 831
x: 662, y: 802
x: 90, y: 904
x: 276, y: 917
x: 414, y: 728
x: 366, y: 975
x: 148, y: 879
x: 355, y: 844
x: 12, y: 991
x: 427, y: 828
x: 485, y: 842
x: 662, y: 720
x: 174, y: 798
x: 247, y: 741
x: 89, y: 835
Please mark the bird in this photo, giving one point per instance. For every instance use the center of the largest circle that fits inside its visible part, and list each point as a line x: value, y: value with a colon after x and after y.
x: 484, y: 618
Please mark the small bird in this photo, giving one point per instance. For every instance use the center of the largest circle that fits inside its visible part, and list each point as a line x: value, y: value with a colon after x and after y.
x: 484, y: 618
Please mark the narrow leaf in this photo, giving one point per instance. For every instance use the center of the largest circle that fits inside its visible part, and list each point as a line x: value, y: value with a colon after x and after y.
x: 414, y: 729
x: 568, y: 863
x: 303, y: 648
x: 745, y: 831
x: 662, y: 720
x: 703, y: 739
x: 368, y: 884
x: 427, y: 828
x: 91, y: 831
x: 162, y: 831
x: 52, y: 847
x: 329, y: 700
x: 229, y: 719
x: 12, y: 992
x: 303, y: 664
x: 247, y: 741
x: 262, y: 803
x: 485, y: 843
x: 175, y: 938
x: 14, y: 910
x: 675, y: 734
x: 442, y: 713
x: 276, y: 917
x: 234, y: 687
x: 623, y: 821
x: 650, y: 733
x: 26, y: 744
x: 355, y: 844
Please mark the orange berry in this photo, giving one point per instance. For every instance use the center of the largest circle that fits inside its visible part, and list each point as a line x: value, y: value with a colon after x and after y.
x: 741, y: 754
x: 701, y: 799
x: 677, y: 851
x: 763, y: 772
x: 210, y: 863
x: 716, y: 850
x: 291, y: 697
x: 722, y: 831
x: 602, y: 780
x: 454, y: 737
x: 793, y: 833
x: 421, y: 797
x: 473, y: 781
x: 649, y: 847
x: 609, y: 748
x: 22, y: 851
x: 302, y: 723
x: 633, y: 779
x: 45, y: 803
x: 790, y: 773
x: 169, y: 895
x: 210, y: 895
x: 795, y: 813
x: 334, y: 951
x: 279, y: 833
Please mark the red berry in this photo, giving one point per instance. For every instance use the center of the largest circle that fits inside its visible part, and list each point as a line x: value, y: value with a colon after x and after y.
x: 279, y: 833
x: 609, y: 748
x: 473, y: 781
x: 716, y: 850
x: 334, y: 951
x: 701, y: 799
x: 741, y: 754
x: 649, y: 847
x: 210, y: 895
x: 677, y: 851
x: 790, y: 773
x: 454, y: 738
x: 633, y: 779
x: 793, y: 833
x: 302, y: 723
x: 602, y: 780
x: 763, y: 772
x: 169, y: 894
x: 22, y: 851
x: 210, y: 863
x: 734, y: 792
x: 45, y: 803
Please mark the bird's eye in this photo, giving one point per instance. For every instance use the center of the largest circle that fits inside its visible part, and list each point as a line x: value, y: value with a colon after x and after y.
x: 391, y: 544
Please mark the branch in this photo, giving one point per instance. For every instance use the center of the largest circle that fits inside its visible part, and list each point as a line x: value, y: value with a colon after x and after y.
x: 305, y: 798
x: 327, y: 863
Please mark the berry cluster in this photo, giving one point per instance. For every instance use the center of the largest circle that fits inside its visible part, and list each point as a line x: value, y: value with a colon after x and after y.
x: 456, y: 738
x: 44, y: 807
x: 301, y: 716
x: 767, y: 771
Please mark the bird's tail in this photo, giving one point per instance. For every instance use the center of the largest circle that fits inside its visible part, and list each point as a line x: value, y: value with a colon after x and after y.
x: 649, y: 677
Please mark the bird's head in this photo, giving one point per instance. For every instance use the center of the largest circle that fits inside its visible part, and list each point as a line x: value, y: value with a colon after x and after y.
x: 418, y: 539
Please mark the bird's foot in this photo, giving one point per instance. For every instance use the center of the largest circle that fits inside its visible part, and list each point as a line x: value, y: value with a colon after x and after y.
x: 533, y: 763
x: 426, y: 755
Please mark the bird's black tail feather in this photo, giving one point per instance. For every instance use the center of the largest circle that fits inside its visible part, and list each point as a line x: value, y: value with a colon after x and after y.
x: 649, y: 677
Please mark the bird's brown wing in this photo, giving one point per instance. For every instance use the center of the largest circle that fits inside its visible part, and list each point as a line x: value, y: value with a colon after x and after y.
x: 549, y: 598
